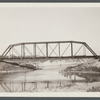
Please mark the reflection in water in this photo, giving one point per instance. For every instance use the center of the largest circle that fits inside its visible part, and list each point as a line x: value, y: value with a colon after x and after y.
x: 87, y: 76
x: 9, y: 84
x: 34, y: 86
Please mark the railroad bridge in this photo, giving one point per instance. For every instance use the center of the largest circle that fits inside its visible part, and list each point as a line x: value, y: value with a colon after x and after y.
x: 53, y: 49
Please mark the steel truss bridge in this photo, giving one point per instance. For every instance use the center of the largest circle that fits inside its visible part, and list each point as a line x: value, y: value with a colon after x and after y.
x: 54, y: 49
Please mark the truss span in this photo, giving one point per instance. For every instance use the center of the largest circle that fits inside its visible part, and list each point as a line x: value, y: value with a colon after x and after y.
x: 54, y: 49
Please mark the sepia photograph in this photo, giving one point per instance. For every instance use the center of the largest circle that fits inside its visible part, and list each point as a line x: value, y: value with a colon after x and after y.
x: 49, y: 48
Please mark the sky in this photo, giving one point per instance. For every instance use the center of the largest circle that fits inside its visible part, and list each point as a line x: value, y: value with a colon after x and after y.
x: 31, y: 24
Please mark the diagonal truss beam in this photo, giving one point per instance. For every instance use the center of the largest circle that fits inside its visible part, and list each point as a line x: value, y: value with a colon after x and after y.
x: 78, y: 50
x: 40, y: 50
x: 16, y: 51
x: 53, y: 50
x: 65, y: 50
x: 26, y: 48
x: 87, y: 46
x: 7, y: 50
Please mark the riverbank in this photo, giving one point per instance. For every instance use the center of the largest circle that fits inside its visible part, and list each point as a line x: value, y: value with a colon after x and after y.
x: 50, y: 70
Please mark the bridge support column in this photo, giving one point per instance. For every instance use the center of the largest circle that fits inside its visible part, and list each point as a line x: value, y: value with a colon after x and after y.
x: 22, y: 51
x: 71, y: 49
x: 59, y: 50
x: 46, y: 50
x: 34, y: 50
